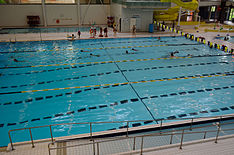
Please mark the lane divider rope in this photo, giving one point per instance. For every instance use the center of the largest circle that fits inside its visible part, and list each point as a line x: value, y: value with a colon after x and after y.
x: 73, y: 65
x: 100, y: 48
x: 87, y: 63
x: 117, y: 84
x: 123, y: 83
x: 112, y: 72
x: 58, y: 49
x: 133, y: 100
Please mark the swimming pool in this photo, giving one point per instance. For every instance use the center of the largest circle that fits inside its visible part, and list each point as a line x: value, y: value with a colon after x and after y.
x: 44, y: 30
x: 142, y: 85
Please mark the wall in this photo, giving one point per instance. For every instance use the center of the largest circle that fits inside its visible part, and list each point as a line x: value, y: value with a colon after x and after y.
x: 95, y: 13
x: 116, y: 12
x: 65, y: 14
x: 15, y: 15
x: 144, y: 18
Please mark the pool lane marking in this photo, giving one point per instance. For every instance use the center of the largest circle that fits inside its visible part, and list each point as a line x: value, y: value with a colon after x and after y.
x: 231, y: 107
x: 132, y: 101
x: 113, y: 72
x: 115, y: 84
x: 111, y: 84
x: 102, y: 48
x: 174, y: 117
x: 106, y: 62
x: 85, y: 63
x: 56, y: 49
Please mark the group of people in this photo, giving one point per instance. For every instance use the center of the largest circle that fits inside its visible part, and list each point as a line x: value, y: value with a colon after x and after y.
x: 93, y: 32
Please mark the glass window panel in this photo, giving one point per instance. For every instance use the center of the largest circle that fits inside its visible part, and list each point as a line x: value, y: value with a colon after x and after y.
x: 213, y: 9
x: 54, y: 1
x: 60, y: 1
x: 95, y: 1
x: 30, y: 1
x: 231, y: 14
x: 20, y: 1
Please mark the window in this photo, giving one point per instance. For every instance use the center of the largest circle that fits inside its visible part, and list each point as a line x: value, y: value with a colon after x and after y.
x: 19, y: 1
x: 54, y: 1
x: 30, y: 1
x: 231, y: 15
x: 59, y: 1
x: 94, y: 1
x: 213, y: 8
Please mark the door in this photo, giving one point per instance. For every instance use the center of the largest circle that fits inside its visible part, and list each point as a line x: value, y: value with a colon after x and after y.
x: 119, y: 24
x: 132, y: 22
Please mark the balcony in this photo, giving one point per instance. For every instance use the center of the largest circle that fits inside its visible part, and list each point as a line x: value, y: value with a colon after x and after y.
x: 151, y: 4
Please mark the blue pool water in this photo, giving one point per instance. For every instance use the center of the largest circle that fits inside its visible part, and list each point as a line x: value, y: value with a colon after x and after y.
x: 204, y: 85
x: 44, y: 30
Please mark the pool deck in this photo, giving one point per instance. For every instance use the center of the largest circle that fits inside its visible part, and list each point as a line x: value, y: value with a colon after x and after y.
x: 209, y: 36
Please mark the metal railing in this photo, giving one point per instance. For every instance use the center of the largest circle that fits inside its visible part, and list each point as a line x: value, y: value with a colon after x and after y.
x: 133, y: 139
x: 124, y: 129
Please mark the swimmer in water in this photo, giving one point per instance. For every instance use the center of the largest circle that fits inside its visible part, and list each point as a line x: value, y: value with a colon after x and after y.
x: 172, y: 54
x: 15, y: 60
x: 134, y: 49
x: 94, y: 55
x: 84, y: 51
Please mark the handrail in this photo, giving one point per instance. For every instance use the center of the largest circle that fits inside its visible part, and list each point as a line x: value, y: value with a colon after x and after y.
x: 91, y: 123
x: 174, y: 131
x: 142, y: 137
